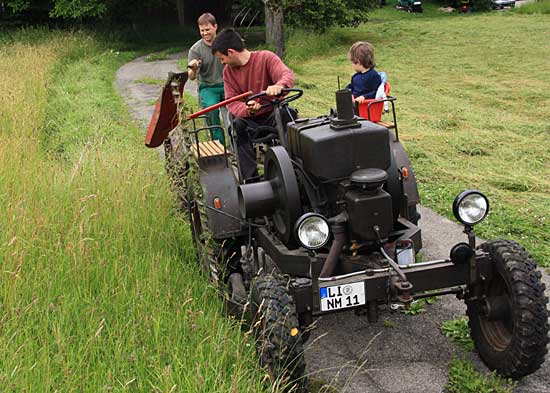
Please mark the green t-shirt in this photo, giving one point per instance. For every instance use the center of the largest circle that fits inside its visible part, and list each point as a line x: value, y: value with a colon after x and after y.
x: 211, y: 69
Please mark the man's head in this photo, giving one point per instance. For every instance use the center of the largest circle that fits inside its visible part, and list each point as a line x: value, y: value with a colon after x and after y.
x: 228, y: 47
x: 207, y: 27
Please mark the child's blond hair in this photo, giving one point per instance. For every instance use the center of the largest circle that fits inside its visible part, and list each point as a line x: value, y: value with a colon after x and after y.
x: 362, y: 52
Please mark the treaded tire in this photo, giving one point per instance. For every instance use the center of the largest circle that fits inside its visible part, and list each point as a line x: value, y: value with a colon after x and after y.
x: 273, y: 319
x: 514, y: 346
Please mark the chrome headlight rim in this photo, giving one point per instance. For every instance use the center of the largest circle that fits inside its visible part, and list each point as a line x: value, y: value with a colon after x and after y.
x: 459, y: 200
x: 301, y: 221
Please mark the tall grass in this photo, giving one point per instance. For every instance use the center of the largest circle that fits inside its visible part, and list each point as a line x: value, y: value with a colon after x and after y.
x: 99, y: 290
x: 535, y: 7
x: 473, y: 107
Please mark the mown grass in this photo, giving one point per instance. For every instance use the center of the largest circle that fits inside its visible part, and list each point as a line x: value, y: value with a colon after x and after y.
x: 99, y: 288
x: 473, y: 106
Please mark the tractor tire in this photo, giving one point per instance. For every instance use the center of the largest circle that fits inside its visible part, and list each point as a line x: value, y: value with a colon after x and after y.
x: 513, y: 340
x: 276, y: 329
x: 209, y: 252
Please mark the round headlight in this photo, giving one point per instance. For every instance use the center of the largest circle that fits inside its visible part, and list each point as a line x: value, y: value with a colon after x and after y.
x: 470, y: 207
x: 312, y: 231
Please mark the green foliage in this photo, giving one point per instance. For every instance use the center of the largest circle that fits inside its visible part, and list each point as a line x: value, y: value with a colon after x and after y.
x: 18, y: 5
x: 536, y: 7
x: 77, y: 9
x: 83, y: 9
x: 321, y: 14
x: 458, y: 331
x: 463, y: 378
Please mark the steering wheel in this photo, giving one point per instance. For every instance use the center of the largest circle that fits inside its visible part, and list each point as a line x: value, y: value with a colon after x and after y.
x: 262, y: 96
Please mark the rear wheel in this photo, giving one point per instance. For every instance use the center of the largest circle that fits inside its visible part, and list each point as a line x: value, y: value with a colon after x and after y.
x: 276, y: 328
x: 509, y: 324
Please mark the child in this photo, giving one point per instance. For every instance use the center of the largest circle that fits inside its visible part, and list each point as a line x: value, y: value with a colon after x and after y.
x: 366, y: 80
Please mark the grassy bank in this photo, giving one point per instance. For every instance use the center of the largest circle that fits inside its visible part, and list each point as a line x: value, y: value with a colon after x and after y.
x: 98, y: 287
x: 473, y: 106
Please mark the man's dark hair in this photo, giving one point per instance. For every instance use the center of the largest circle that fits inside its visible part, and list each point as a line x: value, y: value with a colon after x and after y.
x: 228, y: 39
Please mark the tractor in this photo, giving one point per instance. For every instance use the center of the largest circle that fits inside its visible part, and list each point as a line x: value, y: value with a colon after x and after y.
x: 331, y: 225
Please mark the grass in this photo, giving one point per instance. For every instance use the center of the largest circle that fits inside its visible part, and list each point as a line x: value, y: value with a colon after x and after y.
x: 463, y: 378
x: 99, y: 289
x: 536, y: 7
x: 459, y: 332
x: 418, y: 306
x: 150, y: 81
x: 163, y: 54
x: 469, y: 115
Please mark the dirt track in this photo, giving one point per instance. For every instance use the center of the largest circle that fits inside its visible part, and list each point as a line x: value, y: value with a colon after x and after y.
x: 397, y: 354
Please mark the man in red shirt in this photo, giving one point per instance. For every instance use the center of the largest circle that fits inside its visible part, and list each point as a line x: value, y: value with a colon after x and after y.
x: 250, y: 71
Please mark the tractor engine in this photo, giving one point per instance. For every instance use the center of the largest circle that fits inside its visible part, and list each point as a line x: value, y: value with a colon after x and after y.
x: 350, y: 159
x: 340, y: 166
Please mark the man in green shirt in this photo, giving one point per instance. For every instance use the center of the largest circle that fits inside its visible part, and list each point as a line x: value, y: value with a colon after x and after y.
x: 208, y: 69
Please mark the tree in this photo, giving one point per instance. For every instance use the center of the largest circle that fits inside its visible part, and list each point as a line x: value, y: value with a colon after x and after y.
x: 274, y: 25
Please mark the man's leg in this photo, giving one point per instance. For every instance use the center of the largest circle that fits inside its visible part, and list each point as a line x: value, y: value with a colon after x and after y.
x: 245, y: 151
x: 210, y: 95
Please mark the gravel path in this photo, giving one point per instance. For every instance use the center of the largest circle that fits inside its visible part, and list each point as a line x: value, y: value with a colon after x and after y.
x: 399, y: 353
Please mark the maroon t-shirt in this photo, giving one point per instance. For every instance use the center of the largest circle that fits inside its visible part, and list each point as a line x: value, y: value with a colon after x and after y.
x: 264, y: 68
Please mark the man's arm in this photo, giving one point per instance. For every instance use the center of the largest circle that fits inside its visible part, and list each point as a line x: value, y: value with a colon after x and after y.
x: 279, y: 72
x: 194, y: 63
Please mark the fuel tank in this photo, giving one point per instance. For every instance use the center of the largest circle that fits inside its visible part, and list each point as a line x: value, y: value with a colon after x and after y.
x: 332, y: 154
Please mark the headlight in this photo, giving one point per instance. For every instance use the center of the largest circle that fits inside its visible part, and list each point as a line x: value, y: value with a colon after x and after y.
x: 312, y: 231
x: 470, y: 207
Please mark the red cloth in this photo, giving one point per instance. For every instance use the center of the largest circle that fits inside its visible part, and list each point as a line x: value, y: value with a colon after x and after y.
x: 264, y: 68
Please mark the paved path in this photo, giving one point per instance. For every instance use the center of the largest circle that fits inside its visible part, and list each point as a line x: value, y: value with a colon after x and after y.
x: 405, y: 354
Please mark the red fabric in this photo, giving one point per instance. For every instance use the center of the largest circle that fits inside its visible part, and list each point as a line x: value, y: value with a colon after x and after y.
x: 264, y: 68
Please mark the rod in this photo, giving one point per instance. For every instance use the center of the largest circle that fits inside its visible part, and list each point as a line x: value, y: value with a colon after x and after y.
x: 218, y: 105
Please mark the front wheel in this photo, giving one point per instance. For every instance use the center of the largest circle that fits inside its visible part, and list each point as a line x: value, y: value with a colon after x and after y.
x: 276, y: 329
x: 509, y: 321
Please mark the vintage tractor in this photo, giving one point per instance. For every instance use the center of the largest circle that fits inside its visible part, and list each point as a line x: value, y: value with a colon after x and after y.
x: 332, y: 225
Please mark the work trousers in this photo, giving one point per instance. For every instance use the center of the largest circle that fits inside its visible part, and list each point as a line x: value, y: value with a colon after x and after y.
x: 210, y: 95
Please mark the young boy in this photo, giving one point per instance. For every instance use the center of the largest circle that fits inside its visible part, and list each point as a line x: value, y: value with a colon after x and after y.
x: 366, y: 80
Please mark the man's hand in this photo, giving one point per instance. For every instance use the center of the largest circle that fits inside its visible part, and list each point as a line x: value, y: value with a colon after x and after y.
x: 194, y: 64
x: 253, y: 107
x: 274, y: 90
x: 360, y: 99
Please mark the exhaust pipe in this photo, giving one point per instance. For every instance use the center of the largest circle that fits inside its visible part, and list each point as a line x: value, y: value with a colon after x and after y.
x: 339, y: 232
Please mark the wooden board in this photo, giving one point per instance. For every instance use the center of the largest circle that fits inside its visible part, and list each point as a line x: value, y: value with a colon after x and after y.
x: 208, y: 149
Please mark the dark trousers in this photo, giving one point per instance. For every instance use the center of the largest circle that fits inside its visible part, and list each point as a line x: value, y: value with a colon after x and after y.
x: 245, y: 129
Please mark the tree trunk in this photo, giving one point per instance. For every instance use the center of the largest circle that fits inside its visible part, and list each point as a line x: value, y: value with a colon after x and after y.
x: 181, y: 12
x: 274, y: 25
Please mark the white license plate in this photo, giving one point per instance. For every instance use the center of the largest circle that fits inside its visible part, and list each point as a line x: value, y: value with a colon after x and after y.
x: 342, y: 296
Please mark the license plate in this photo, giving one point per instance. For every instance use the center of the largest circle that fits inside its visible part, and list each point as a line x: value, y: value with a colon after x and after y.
x: 342, y: 296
